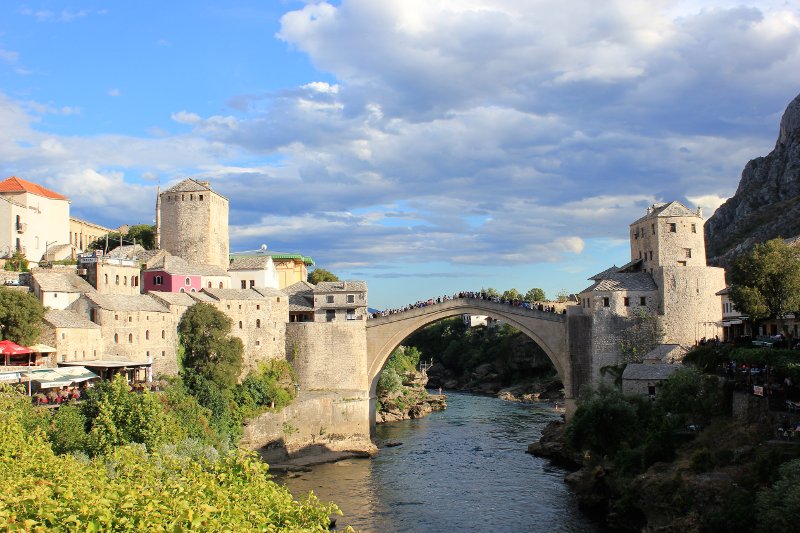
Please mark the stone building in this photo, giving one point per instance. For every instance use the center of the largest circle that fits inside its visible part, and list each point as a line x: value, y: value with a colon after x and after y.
x: 57, y: 289
x: 138, y: 328
x: 340, y: 300
x: 289, y: 268
x: 259, y: 318
x: 75, y: 337
x: 192, y: 223
x: 667, y: 278
x: 32, y: 218
x: 301, y: 302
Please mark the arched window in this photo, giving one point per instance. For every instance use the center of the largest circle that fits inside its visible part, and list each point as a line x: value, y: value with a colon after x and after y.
x: 220, y: 284
x: 147, y: 335
x: 125, y: 280
x: 116, y: 280
x: 130, y: 338
x: 183, y: 290
x: 258, y: 322
x: 106, y: 278
x: 163, y: 334
x: 188, y: 281
x: 116, y: 338
x: 209, y: 284
x: 192, y: 290
x: 240, y: 324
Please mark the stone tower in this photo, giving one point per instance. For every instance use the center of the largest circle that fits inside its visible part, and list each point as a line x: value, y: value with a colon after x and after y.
x: 193, y: 223
x: 670, y: 243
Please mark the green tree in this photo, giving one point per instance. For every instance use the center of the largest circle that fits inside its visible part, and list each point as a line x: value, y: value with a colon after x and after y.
x: 209, y: 350
x: 778, y: 506
x: 320, y: 274
x: 142, y: 234
x: 17, y: 263
x: 535, y: 295
x: 512, y: 294
x: 491, y: 292
x: 21, y: 315
x: 692, y: 394
x: 604, y: 420
x: 765, y: 283
x: 67, y: 430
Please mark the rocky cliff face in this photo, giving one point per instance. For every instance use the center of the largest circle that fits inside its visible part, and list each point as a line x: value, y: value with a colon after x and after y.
x: 767, y: 202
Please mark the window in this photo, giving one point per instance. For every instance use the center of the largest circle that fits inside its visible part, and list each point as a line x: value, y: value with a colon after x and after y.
x: 694, y: 228
x: 193, y: 290
x: 258, y: 323
x: 626, y: 301
x: 244, y: 284
x: 116, y: 317
x: 163, y: 353
x: 635, y: 233
x: 258, y: 307
x: 252, y: 283
x: 116, y: 279
x: 105, y: 276
x: 163, y: 334
x: 191, y: 197
x: 640, y: 254
x: 651, y: 256
x: 673, y: 227
x: 130, y: 338
x: 220, y: 284
x: 147, y: 353
x: 682, y: 263
x: 116, y: 338
x: 130, y: 319
x: 240, y: 324
x: 258, y: 343
x: 182, y: 290
x: 606, y: 302
x: 188, y: 282
x: 329, y: 299
x: 158, y: 280
x: 643, y: 300
x: 125, y: 280
x: 201, y: 197
x: 351, y: 314
x: 688, y: 252
x: 147, y: 335
x: 209, y: 284
x: 330, y: 315
x: 351, y: 298
x: 653, y: 228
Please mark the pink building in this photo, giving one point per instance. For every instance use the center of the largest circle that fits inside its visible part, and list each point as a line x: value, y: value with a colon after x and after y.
x: 173, y: 274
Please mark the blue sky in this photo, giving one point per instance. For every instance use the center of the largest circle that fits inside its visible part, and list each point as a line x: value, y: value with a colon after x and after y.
x: 426, y: 146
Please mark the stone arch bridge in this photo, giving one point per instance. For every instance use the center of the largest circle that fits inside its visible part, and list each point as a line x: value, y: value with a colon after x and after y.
x: 551, y: 331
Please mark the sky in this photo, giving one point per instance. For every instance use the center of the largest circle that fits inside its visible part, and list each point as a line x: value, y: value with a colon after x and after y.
x: 425, y: 146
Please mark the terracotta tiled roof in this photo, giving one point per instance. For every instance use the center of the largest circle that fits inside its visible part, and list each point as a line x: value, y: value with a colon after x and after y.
x: 15, y: 184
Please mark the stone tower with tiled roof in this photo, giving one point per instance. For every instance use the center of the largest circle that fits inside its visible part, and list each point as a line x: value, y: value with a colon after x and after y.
x: 193, y: 223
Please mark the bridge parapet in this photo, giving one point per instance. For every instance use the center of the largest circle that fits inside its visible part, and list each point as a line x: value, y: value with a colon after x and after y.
x: 485, y: 305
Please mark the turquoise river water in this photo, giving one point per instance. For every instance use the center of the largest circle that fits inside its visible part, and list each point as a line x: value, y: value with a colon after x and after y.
x: 463, y: 469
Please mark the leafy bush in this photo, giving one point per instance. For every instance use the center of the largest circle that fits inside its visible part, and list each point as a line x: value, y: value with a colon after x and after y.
x: 67, y: 430
x: 701, y: 460
x: 389, y: 382
x: 604, y: 421
x: 132, y: 490
x: 778, y: 507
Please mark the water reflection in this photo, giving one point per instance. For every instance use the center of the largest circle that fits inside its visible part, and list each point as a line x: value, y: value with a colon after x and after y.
x: 463, y: 469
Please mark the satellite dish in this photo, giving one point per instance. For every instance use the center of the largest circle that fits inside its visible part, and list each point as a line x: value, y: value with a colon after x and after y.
x: 263, y: 247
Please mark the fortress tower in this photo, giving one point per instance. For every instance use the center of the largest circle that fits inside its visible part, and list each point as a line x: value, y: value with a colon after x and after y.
x: 193, y: 223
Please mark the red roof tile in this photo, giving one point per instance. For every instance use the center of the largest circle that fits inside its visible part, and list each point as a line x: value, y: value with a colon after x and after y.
x: 15, y: 184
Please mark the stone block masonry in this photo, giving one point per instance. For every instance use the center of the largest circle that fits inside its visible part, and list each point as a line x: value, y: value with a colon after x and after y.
x: 329, y: 356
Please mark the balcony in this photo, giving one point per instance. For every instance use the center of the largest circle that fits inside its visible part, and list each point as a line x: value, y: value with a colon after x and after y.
x: 21, y: 227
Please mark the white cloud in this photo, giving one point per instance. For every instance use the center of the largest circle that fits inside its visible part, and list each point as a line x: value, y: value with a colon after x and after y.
x: 113, y: 92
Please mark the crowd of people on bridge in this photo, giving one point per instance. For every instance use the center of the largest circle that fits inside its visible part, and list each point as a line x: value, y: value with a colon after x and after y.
x: 482, y: 295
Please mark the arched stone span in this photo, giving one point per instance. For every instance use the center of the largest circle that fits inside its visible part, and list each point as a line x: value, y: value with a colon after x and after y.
x: 548, y: 330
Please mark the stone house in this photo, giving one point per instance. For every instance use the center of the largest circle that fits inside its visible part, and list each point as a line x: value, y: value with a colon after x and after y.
x: 301, y: 302
x: 75, y: 337
x: 170, y: 273
x: 138, y: 328
x: 646, y: 379
x: 259, y: 318
x: 57, y: 289
x: 340, y: 300
x: 32, y: 218
x: 252, y: 271
x: 83, y: 233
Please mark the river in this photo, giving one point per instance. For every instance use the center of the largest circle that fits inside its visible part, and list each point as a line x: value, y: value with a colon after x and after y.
x: 463, y: 469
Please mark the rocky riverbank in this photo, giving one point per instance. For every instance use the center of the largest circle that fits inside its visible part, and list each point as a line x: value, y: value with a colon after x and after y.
x: 410, y: 401
x: 486, y: 379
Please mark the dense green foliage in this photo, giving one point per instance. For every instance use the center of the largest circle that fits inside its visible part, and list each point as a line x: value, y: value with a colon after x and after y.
x: 403, y: 359
x: 710, y: 358
x: 21, y: 315
x: 174, y: 488
x: 209, y: 349
x: 512, y: 294
x: 320, y: 274
x: 765, y: 283
x: 535, y: 295
x: 608, y: 424
x: 461, y: 349
x: 779, y: 505
x: 16, y: 263
x: 142, y: 234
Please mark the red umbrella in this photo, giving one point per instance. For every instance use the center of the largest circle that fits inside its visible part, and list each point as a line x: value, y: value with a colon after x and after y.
x: 12, y: 348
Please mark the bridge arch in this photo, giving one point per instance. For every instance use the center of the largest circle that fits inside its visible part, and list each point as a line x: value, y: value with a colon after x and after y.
x: 548, y: 330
